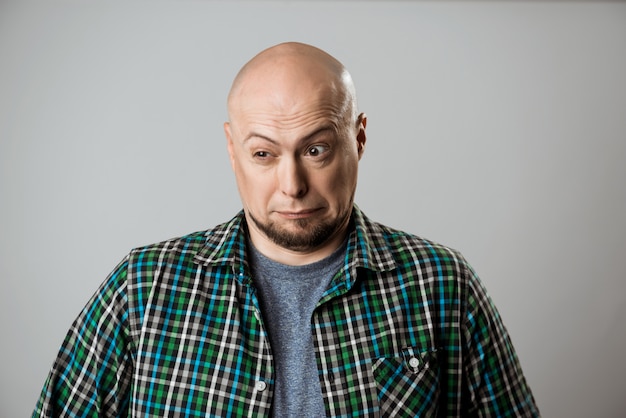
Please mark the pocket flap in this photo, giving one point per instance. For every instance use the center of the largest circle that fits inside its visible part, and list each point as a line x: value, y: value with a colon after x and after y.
x: 414, y: 360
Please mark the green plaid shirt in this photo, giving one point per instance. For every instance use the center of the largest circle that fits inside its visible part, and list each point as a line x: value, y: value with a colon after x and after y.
x: 405, y: 328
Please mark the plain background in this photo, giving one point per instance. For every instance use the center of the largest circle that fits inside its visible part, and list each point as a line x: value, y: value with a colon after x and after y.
x: 497, y: 128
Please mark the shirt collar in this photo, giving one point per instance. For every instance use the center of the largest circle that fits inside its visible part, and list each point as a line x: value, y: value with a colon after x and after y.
x: 226, y: 245
x: 368, y: 245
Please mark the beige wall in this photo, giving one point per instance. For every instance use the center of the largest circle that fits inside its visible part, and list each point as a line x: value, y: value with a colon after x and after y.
x: 498, y: 128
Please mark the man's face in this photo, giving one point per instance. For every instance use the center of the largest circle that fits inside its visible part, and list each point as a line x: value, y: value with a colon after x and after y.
x: 295, y: 155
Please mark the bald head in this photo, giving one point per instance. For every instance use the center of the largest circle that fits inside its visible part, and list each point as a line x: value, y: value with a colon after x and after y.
x: 285, y: 70
x: 295, y: 141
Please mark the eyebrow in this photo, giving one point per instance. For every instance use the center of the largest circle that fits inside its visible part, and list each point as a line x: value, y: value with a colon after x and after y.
x: 303, y: 139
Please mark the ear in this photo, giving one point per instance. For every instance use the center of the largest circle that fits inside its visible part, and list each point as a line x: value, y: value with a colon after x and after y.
x: 361, y: 137
x: 229, y: 144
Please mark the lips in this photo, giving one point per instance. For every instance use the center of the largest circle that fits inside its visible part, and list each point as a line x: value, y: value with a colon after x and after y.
x: 298, y: 214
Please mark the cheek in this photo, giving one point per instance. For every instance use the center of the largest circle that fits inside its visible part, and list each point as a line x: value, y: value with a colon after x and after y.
x: 253, y: 186
x: 339, y: 183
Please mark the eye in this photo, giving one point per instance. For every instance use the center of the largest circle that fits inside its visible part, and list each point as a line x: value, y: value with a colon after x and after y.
x: 261, y: 154
x: 317, y: 150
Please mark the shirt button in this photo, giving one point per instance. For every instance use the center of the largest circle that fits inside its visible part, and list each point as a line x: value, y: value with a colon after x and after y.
x: 261, y: 386
x: 413, y: 362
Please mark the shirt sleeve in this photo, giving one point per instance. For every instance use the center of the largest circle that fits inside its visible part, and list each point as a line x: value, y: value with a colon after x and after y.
x: 495, y: 383
x: 92, y: 372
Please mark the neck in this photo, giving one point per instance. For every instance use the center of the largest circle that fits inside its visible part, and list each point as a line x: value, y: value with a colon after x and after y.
x: 291, y: 257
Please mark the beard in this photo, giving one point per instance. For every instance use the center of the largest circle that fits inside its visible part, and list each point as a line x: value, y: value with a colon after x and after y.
x: 307, y: 235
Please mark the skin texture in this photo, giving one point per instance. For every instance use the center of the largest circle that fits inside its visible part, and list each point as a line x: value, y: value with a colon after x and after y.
x: 295, y: 140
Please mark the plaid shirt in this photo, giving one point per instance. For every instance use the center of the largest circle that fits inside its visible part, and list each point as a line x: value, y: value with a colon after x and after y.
x: 405, y: 328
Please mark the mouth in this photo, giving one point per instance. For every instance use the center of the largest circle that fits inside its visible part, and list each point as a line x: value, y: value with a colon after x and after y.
x: 298, y: 214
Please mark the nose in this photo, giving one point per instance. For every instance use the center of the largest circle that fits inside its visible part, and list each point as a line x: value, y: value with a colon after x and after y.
x: 292, y: 178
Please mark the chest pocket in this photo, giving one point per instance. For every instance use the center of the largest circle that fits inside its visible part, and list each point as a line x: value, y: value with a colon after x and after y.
x: 408, y: 383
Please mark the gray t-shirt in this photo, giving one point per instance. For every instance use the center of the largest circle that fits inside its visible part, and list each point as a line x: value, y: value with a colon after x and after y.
x: 288, y: 295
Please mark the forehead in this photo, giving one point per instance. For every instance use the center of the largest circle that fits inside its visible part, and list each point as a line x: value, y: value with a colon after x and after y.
x: 289, y: 107
x: 289, y: 88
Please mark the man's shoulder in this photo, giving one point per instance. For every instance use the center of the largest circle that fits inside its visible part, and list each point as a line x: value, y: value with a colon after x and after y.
x: 184, y: 247
x: 183, y: 244
x: 405, y: 257
x: 407, y: 245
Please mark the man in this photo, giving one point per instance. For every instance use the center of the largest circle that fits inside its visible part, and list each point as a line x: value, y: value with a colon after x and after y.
x: 300, y: 306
